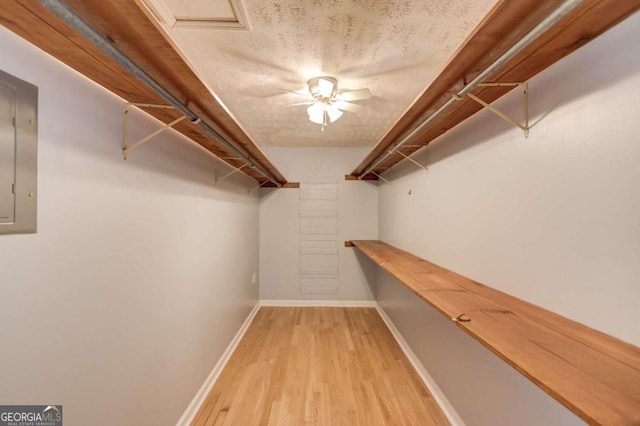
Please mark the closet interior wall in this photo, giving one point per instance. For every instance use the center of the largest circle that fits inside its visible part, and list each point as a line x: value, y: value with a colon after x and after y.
x: 551, y: 219
x: 140, y: 273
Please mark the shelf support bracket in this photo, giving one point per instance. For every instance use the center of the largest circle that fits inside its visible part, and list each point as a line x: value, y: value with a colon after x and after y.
x: 381, y: 178
x: 525, y: 89
x: 408, y: 157
x: 125, y: 127
x: 235, y: 170
x: 259, y: 186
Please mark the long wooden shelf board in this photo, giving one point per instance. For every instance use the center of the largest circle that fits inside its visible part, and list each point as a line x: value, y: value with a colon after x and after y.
x: 131, y: 31
x: 594, y: 375
x: 506, y: 23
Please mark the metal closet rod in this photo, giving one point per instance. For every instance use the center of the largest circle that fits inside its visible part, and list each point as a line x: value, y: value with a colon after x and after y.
x: 544, y: 25
x: 71, y: 18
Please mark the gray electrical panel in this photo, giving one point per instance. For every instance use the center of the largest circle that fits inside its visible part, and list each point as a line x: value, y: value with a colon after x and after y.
x: 18, y: 155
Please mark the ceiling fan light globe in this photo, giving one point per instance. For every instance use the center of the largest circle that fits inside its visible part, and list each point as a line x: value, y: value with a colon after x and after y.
x: 333, y: 113
x: 316, y: 113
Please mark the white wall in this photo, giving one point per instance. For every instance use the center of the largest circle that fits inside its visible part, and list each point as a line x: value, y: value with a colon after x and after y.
x: 552, y: 219
x: 357, y: 215
x: 140, y: 273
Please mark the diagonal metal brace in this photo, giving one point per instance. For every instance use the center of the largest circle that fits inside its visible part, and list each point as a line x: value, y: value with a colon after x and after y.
x: 125, y: 127
x: 525, y: 88
x: 381, y: 178
x: 408, y: 157
x: 236, y: 169
x: 259, y: 186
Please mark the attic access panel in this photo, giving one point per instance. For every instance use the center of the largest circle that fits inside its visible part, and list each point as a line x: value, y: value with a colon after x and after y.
x: 212, y: 14
x: 18, y: 155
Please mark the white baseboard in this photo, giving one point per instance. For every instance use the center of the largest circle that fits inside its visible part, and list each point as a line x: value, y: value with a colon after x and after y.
x: 440, y: 398
x: 327, y: 303
x: 206, y: 387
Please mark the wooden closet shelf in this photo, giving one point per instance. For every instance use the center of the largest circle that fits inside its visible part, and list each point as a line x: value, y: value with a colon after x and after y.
x: 594, y: 375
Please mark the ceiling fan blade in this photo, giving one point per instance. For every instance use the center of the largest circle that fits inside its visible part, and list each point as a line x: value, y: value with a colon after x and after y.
x: 301, y: 92
x: 346, y: 106
x: 355, y: 95
x: 301, y: 103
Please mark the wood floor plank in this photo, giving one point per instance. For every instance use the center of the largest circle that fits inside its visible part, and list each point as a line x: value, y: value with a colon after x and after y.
x: 319, y: 366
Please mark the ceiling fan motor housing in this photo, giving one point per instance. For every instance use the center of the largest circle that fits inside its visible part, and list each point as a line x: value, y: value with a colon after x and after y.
x: 323, y: 87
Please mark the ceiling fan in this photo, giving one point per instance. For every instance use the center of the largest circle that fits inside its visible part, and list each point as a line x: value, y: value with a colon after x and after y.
x: 327, y: 103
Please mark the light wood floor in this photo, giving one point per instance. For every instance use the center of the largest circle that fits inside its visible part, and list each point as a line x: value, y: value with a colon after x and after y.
x: 319, y: 366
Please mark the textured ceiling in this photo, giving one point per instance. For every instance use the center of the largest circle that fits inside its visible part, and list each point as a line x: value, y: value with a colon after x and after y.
x: 393, y: 47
